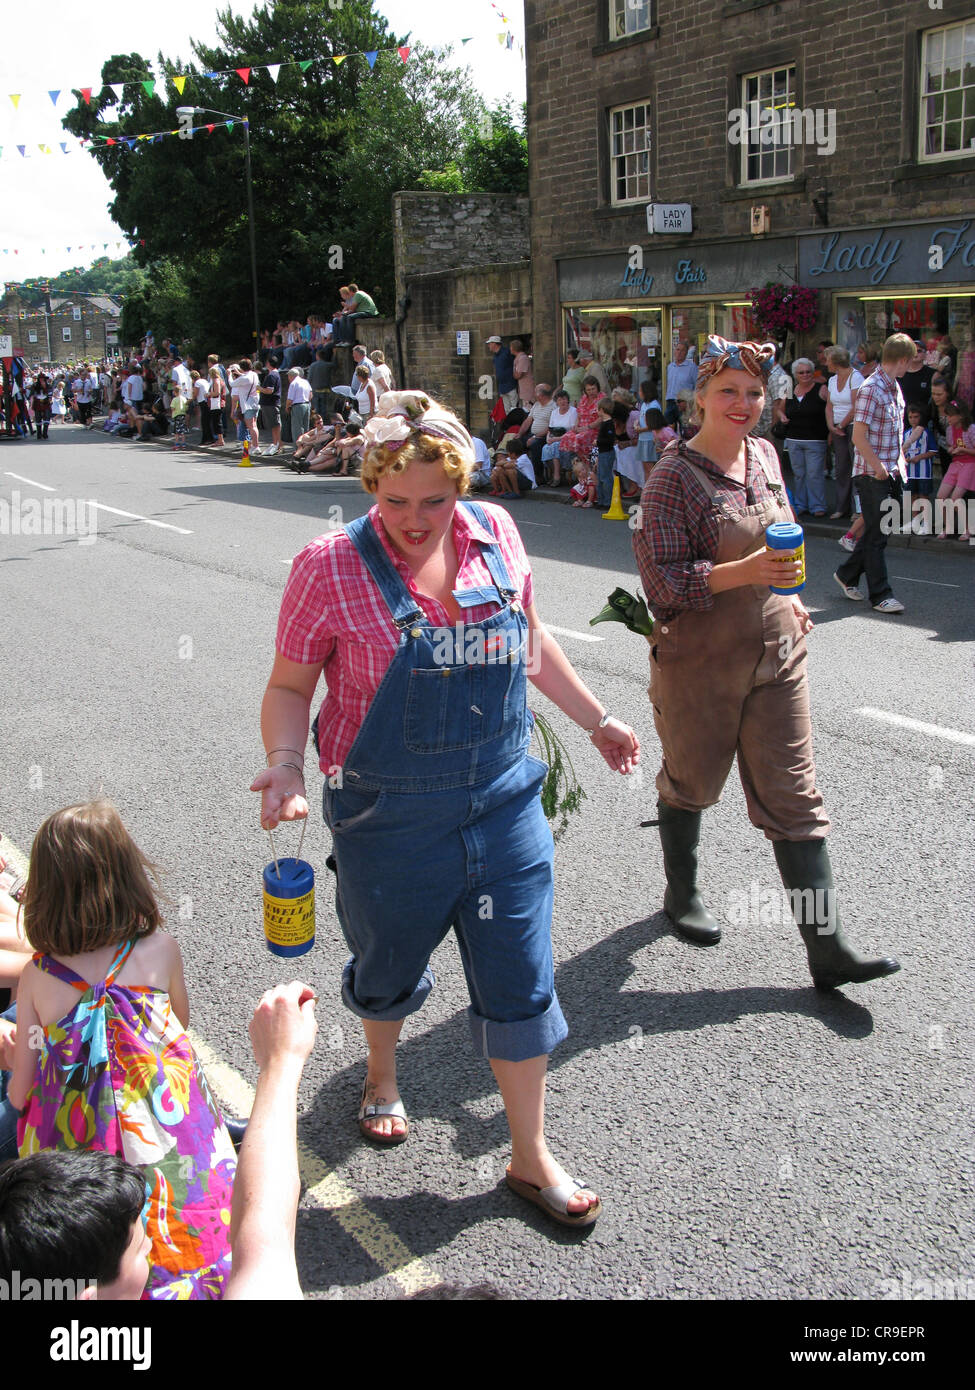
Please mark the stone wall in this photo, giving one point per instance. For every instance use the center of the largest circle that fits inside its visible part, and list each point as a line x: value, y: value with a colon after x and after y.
x: 483, y: 300
x: 448, y: 231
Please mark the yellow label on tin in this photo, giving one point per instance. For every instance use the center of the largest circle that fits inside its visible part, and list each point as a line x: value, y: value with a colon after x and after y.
x: 289, y: 921
x: 789, y: 557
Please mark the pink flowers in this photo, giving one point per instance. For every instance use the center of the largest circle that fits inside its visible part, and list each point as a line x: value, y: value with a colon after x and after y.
x: 782, y: 309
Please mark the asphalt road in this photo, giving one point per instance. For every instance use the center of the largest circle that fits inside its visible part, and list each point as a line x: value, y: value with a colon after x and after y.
x: 751, y: 1139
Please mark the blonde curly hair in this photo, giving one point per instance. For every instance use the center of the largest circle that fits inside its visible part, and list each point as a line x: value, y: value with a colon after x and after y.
x: 380, y: 462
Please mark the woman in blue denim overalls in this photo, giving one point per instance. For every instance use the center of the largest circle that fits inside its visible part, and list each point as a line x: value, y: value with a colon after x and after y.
x: 436, y: 819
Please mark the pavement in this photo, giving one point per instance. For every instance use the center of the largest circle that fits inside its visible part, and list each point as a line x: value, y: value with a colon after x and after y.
x: 750, y: 1138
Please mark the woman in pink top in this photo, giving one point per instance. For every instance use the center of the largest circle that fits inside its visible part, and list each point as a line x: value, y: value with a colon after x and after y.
x: 421, y: 616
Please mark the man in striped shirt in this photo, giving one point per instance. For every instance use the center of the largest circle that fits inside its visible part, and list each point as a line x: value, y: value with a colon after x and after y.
x: 878, y: 457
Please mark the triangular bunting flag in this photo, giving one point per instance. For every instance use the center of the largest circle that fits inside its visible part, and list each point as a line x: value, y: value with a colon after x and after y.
x: 64, y: 147
x: 228, y: 124
x: 108, y: 141
x: 304, y: 66
x: 86, y: 93
x: 23, y: 150
x: 54, y: 96
x: 244, y: 74
x: 118, y: 88
x: 149, y: 86
x: 274, y: 69
x: 404, y: 53
x: 371, y: 58
x: 338, y: 58
x: 131, y: 144
x: 15, y: 98
x: 211, y: 74
x: 179, y: 83
x: 210, y: 129
x: 142, y: 241
x: 466, y: 40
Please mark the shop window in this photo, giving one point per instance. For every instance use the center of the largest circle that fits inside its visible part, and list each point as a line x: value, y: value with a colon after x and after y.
x: 944, y: 323
x: 628, y: 17
x: 626, y: 340
x: 630, y: 153
x: 768, y: 101
x: 947, y: 116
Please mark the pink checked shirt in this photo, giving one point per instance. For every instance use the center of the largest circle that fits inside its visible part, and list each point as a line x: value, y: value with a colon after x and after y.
x: 333, y: 615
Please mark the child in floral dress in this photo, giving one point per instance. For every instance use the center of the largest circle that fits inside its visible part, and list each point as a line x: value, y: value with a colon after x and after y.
x: 102, y: 1059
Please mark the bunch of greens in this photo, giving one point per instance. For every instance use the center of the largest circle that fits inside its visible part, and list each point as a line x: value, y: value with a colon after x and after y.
x: 561, y: 792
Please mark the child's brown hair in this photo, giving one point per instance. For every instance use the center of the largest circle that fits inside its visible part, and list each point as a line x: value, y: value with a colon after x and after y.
x: 88, y: 884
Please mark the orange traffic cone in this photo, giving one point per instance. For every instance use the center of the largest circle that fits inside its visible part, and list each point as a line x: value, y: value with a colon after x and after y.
x: 616, y: 512
x: 245, y: 458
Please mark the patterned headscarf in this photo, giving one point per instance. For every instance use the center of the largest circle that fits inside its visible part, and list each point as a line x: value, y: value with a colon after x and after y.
x: 401, y: 414
x: 755, y: 358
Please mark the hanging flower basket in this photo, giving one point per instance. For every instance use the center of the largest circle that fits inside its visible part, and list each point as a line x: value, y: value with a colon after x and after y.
x: 779, y: 310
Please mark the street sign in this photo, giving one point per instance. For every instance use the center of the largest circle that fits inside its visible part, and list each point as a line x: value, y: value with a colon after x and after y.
x: 672, y: 218
x: 6, y: 345
x: 464, y: 343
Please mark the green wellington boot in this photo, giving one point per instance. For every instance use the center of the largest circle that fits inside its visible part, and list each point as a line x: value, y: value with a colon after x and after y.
x: 680, y: 833
x: 805, y: 869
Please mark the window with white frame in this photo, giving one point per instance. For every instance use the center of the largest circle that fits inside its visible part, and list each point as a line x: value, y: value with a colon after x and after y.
x: 66, y: 335
x: 32, y: 335
x: 768, y: 99
x: 630, y: 153
x: 947, y: 114
x: 629, y: 17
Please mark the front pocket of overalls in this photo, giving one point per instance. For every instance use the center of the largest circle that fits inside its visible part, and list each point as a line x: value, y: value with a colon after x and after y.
x: 345, y: 809
x: 447, y: 710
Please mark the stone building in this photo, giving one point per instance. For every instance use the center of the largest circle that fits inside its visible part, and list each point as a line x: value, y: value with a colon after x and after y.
x: 74, y: 328
x: 833, y: 145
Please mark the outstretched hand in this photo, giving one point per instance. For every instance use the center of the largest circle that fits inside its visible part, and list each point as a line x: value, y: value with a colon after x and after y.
x: 282, y: 795
x: 618, y: 744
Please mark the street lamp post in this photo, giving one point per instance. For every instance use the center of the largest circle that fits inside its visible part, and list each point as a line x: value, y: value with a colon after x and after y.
x: 209, y: 110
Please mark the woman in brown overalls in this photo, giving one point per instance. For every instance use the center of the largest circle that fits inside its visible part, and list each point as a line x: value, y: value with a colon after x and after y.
x: 728, y: 668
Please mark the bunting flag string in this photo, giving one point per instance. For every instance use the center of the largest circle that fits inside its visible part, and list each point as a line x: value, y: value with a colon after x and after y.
x: 149, y: 83
x: 127, y: 142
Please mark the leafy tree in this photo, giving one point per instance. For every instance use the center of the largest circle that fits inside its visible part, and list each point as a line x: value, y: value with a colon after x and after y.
x: 493, y: 157
x: 329, y: 147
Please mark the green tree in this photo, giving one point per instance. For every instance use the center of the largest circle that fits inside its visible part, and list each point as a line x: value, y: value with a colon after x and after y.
x: 329, y: 144
x: 493, y: 157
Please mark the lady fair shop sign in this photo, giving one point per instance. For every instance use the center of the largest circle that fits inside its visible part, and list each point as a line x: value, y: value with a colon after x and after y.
x: 922, y: 255
x: 685, y: 273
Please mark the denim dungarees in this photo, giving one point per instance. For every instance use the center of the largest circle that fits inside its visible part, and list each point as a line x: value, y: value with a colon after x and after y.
x: 438, y: 821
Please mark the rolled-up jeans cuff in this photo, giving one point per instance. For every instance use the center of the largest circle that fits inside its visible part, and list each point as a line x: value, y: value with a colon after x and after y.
x: 395, y: 1012
x: 516, y: 1042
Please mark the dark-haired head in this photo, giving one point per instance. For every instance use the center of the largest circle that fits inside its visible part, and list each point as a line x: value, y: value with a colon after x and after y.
x: 69, y: 1215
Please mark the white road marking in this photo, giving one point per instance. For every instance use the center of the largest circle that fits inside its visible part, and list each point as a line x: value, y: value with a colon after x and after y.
x: 919, y: 727
x: 165, y: 525
x: 546, y: 524
x: 21, y: 479
x: 579, y: 636
x: 937, y: 582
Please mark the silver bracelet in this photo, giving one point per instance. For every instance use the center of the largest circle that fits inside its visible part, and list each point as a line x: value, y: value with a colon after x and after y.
x: 601, y: 725
x: 300, y: 770
x: 283, y: 750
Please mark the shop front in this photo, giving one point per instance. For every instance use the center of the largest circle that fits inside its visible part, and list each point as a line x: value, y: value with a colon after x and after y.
x: 631, y: 308
x: 916, y: 278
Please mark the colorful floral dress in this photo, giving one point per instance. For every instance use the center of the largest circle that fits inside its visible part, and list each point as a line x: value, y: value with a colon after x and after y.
x: 118, y: 1074
x: 580, y: 441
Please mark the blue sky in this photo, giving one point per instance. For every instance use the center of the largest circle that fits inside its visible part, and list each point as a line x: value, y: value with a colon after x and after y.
x: 53, y: 201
